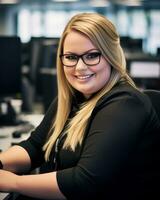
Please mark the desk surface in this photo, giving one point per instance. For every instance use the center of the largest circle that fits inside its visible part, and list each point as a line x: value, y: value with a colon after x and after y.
x: 6, y: 132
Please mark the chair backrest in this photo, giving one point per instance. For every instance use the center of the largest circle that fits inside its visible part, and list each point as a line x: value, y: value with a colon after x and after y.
x: 154, y: 96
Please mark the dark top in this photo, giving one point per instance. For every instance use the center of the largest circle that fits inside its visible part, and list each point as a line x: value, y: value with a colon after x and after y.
x: 119, y: 157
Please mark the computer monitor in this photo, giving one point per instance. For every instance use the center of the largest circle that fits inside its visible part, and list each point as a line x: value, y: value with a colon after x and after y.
x: 43, y: 51
x: 131, y: 44
x: 10, y: 66
x: 10, y: 79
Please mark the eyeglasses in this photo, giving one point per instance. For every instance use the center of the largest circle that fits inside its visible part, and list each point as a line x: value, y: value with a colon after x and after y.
x: 89, y: 58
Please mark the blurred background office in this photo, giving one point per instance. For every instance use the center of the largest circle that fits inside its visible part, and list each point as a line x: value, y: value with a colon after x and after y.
x: 29, y: 35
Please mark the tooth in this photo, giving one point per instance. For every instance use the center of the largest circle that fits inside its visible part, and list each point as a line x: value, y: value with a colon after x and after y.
x: 84, y: 77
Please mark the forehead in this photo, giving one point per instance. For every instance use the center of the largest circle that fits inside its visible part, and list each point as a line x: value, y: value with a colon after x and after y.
x: 77, y: 42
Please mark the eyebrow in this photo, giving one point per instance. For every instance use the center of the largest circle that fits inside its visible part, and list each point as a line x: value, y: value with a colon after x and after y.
x: 69, y: 52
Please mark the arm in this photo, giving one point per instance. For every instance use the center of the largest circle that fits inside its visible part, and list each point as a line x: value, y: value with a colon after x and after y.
x: 16, y: 160
x: 28, y: 154
x: 39, y: 186
x: 19, y: 158
x: 35, y: 142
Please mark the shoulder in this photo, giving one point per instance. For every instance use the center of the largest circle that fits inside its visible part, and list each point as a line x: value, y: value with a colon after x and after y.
x: 124, y: 97
x: 121, y: 108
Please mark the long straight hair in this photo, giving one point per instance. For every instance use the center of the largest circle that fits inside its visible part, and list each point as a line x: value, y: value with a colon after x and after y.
x: 104, y: 36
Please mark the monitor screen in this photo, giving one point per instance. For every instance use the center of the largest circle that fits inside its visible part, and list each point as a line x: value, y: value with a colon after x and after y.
x: 10, y: 66
x: 145, y: 69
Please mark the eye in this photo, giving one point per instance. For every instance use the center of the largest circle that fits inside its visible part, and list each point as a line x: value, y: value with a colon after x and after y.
x: 70, y: 57
x: 92, y: 55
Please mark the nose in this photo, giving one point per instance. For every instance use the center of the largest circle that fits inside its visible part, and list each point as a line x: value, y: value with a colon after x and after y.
x: 81, y: 65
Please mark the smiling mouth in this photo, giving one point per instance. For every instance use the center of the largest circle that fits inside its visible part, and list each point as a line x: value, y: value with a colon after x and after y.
x: 84, y: 77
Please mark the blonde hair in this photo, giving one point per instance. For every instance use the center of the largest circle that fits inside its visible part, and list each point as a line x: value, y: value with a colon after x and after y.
x: 104, y: 36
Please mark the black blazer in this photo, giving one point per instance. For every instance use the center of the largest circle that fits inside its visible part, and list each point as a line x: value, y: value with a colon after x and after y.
x: 120, y: 154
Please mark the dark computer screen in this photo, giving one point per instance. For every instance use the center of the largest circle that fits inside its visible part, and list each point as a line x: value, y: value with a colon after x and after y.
x: 10, y: 66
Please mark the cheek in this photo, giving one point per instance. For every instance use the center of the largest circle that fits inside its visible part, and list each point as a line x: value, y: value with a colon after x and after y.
x: 104, y: 73
x: 68, y: 73
x: 65, y: 73
x: 108, y: 71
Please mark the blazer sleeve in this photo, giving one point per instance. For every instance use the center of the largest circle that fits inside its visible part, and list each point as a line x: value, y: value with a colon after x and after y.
x: 33, y: 145
x: 113, y: 134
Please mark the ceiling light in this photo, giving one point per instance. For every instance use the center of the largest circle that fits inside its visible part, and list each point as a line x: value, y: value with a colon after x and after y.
x: 9, y: 1
x: 99, y: 3
x: 63, y: 1
x: 130, y: 2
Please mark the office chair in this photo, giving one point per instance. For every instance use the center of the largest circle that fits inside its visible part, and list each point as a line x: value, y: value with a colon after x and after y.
x: 154, y: 96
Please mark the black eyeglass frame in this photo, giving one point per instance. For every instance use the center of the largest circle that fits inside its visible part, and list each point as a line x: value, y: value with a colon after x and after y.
x: 82, y: 57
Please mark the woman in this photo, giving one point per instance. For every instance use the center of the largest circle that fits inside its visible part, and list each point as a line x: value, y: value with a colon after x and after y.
x: 98, y: 138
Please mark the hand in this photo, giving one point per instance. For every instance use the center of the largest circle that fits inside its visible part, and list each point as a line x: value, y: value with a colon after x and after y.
x: 7, y: 181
